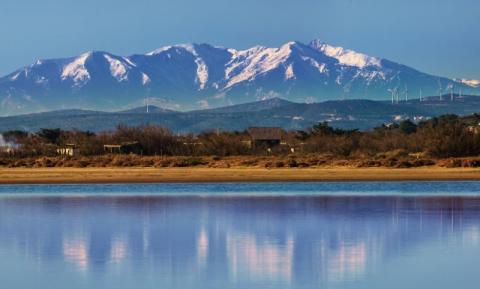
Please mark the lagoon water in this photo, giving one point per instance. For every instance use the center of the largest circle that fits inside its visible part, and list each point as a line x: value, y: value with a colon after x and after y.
x: 284, y: 235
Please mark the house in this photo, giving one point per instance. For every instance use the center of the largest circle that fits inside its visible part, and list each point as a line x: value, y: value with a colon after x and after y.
x: 123, y: 148
x: 8, y: 150
x: 68, y: 150
x: 474, y: 129
x: 265, y: 136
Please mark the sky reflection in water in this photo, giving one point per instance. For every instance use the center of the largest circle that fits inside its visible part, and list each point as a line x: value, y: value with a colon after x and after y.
x: 57, y: 240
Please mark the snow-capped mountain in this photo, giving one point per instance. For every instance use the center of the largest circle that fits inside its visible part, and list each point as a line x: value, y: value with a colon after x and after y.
x: 194, y: 76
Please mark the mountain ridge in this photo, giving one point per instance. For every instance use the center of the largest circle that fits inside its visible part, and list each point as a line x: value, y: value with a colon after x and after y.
x: 199, y: 76
x: 349, y: 114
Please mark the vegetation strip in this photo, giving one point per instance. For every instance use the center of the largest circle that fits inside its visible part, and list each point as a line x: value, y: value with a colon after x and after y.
x: 193, y: 175
x: 446, y: 141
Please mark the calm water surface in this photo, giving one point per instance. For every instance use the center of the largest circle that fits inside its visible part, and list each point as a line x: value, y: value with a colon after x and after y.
x: 314, y: 235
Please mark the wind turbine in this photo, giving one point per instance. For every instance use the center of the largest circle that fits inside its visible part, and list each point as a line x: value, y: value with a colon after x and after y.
x: 392, y: 92
x: 406, y: 93
x: 346, y: 92
x: 451, y: 92
x: 421, y: 95
x: 440, y: 90
x: 146, y: 102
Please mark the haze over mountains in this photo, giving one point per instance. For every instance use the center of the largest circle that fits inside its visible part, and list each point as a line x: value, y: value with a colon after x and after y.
x: 199, y: 76
x: 350, y: 114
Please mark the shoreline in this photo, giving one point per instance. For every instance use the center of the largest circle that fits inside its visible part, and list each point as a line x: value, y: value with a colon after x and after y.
x: 11, y: 176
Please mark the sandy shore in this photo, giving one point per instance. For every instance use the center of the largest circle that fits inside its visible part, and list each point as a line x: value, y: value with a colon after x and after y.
x: 164, y: 175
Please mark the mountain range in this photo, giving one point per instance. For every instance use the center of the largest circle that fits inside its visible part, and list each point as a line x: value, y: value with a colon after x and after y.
x: 201, y: 76
x: 350, y: 114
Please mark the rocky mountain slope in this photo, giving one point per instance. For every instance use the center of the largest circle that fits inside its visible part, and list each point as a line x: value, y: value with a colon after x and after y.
x: 199, y: 76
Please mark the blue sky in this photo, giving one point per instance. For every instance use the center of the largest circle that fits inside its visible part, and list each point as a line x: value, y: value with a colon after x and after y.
x: 436, y: 36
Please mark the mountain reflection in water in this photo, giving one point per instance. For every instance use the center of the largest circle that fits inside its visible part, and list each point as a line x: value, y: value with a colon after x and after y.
x: 225, y: 242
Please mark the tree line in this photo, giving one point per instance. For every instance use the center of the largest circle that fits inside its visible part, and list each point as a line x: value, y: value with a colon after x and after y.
x: 440, y: 137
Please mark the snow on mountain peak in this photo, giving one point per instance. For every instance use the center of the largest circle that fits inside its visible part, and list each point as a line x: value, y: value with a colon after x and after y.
x: 201, y: 77
x: 127, y: 60
x: 202, y: 72
x: 250, y: 63
x: 202, y: 69
x: 189, y: 72
x: 469, y: 82
x: 159, y: 50
x: 76, y: 70
x: 16, y: 75
x: 145, y: 79
x: 118, y: 69
x: 289, y: 72
x: 346, y: 56
x: 187, y: 46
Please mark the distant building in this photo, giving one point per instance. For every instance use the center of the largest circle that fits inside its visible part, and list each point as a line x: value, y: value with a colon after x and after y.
x: 68, y: 150
x: 265, y: 136
x: 8, y: 150
x: 123, y: 148
x: 475, y: 129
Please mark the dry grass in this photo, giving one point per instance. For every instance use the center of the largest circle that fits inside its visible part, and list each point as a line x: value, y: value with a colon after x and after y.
x: 396, y: 159
x: 202, y: 174
x: 392, y: 160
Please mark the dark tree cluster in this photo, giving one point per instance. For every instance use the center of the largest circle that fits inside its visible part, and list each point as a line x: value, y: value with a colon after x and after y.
x: 440, y: 137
